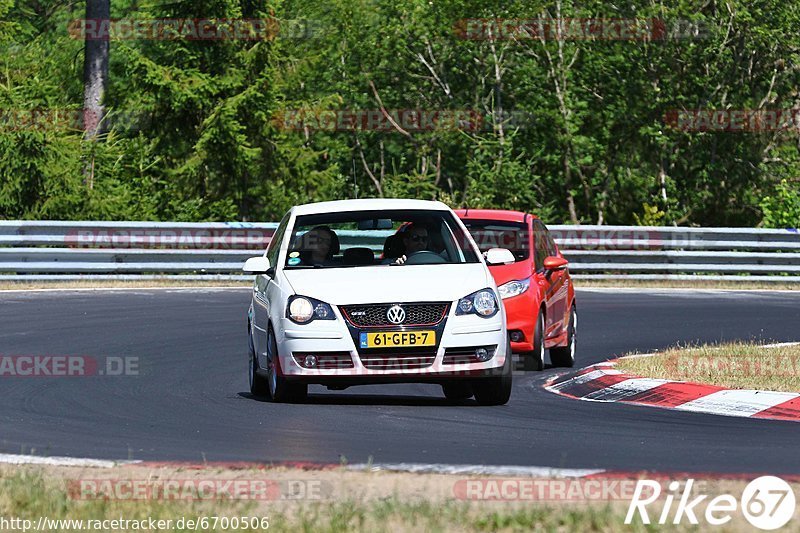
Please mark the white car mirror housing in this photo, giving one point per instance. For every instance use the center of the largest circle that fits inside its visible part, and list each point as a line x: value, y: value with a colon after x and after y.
x: 499, y: 256
x: 256, y: 265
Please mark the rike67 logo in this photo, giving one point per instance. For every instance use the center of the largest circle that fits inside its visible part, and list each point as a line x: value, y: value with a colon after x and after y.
x: 767, y: 503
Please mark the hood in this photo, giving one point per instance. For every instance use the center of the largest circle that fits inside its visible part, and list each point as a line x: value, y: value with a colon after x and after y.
x: 390, y: 284
x: 505, y: 273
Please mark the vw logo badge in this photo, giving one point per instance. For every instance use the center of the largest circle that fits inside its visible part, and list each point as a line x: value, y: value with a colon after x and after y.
x: 396, y: 314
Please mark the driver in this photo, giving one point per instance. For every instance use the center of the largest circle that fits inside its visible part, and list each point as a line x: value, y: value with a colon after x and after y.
x: 415, y: 239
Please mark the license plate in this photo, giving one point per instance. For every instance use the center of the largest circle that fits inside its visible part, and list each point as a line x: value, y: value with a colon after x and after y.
x: 398, y: 339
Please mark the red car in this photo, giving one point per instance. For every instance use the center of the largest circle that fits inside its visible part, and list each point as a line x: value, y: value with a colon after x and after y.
x: 536, y: 290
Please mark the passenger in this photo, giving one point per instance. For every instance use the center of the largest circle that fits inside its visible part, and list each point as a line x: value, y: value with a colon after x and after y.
x: 318, y: 246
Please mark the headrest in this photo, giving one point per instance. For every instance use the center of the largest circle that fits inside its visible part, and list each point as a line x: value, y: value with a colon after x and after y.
x: 393, y: 246
x: 358, y: 256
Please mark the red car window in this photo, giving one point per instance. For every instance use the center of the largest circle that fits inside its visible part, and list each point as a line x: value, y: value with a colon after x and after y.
x: 500, y: 234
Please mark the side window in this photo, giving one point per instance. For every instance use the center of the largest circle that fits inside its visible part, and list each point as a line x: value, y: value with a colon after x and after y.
x: 552, y: 249
x: 275, y: 242
x: 539, y: 244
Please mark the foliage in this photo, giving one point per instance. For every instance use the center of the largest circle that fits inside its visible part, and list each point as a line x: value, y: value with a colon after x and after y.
x: 782, y: 209
x: 571, y: 129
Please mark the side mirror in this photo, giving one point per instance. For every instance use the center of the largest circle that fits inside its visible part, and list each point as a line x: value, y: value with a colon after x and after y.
x: 257, y: 265
x: 499, y: 256
x: 555, y: 263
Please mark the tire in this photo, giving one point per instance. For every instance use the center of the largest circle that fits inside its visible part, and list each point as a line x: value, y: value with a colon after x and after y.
x: 280, y: 389
x: 565, y: 355
x: 258, y: 383
x: 534, y: 361
x: 495, y: 390
x: 457, y: 390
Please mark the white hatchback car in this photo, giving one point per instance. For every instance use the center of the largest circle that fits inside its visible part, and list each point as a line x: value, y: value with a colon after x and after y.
x: 358, y: 292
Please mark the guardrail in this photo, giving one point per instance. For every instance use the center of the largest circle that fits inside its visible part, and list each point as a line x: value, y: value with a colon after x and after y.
x: 40, y: 250
x: 647, y: 252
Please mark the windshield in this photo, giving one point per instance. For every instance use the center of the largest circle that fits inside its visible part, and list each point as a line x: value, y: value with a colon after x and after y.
x: 377, y: 238
x: 512, y: 236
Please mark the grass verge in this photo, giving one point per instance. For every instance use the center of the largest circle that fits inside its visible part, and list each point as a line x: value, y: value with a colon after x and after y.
x: 30, y: 493
x: 348, y: 501
x: 735, y: 365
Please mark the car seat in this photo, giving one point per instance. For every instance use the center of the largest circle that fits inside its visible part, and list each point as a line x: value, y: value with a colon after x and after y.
x: 358, y: 256
x: 393, y: 247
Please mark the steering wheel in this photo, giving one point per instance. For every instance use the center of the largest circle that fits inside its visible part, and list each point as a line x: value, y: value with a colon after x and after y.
x: 424, y: 257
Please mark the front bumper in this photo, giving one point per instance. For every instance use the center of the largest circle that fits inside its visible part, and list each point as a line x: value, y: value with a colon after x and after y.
x: 334, y: 337
x: 521, y: 316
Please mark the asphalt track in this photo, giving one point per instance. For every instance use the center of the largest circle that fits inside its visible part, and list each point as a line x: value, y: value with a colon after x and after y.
x: 190, y: 400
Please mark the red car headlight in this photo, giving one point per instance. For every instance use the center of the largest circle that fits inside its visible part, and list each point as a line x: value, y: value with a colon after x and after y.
x: 513, y: 288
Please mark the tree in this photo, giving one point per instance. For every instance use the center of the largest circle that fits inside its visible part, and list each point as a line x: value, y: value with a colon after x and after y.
x: 95, y: 67
x: 95, y: 75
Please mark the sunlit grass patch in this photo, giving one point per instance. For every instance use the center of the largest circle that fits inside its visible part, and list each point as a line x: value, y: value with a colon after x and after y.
x: 736, y: 365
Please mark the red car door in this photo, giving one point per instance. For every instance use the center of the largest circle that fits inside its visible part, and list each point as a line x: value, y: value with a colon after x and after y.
x: 552, y: 282
x: 559, y: 285
x: 543, y: 280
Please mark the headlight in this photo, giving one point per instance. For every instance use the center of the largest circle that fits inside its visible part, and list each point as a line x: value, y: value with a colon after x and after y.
x: 303, y: 310
x: 513, y: 288
x: 482, y: 303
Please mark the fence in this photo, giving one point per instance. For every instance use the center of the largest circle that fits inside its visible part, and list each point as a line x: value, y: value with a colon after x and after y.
x: 38, y: 250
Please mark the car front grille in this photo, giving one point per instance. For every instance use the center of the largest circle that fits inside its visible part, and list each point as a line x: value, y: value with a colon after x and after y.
x: 398, y: 361
x: 374, y: 315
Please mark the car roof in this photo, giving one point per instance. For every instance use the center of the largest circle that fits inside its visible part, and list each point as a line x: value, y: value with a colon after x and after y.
x: 494, y: 214
x: 367, y: 204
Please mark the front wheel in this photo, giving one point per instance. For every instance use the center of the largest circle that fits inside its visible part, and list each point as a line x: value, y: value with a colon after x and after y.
x: 280, y: 389
x: 534, y: 361
x: 457, y: 390
x: 258, y: 383
x: 495, y: 390
x: 565, y: 355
